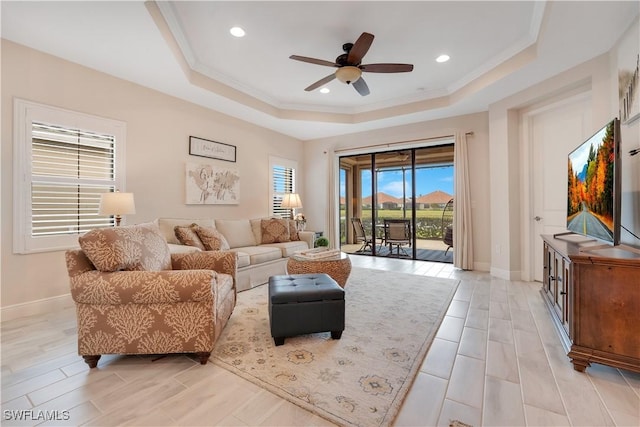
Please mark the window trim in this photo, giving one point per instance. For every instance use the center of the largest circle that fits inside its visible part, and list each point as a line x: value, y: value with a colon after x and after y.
x: 24, y: 114
x: 286, y: 163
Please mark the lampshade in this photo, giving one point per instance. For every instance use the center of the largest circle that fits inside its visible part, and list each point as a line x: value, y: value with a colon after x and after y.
x: 291, y: 201
x: 348, y: 74
x: 117, y: 204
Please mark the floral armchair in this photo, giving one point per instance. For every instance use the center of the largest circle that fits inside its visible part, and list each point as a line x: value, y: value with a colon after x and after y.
x: 133, y: 297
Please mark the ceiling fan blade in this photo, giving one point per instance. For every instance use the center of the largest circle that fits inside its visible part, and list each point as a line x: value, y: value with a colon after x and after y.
x: 360, y: 48
x: 361, y: 86
x: 387, y: 68
x: 314, y: 61
x: 321, y: 82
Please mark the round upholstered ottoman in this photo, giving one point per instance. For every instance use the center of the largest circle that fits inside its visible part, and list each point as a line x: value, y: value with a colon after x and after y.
x: 305, y: 304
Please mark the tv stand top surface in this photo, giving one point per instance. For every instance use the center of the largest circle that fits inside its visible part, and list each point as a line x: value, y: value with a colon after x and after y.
x: 578, y: 246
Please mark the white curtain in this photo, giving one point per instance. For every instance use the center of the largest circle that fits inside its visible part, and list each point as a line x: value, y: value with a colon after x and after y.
x: 332, y: 231
x: 462, y: 230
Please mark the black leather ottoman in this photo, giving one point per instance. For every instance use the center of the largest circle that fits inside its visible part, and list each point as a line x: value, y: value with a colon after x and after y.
x: 304, y: 304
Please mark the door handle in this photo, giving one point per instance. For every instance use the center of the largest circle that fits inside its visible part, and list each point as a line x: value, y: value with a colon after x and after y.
x: 537, y: 218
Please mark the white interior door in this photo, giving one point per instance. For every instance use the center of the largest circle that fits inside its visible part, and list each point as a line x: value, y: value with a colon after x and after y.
x: 552, y: 133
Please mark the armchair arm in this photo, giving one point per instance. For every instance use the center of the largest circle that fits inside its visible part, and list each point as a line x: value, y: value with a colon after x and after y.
x: 143, y: 287
x: 225, y: 262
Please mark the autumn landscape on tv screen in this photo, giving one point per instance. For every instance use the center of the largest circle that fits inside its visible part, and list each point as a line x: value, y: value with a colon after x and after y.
x: 590, y: 195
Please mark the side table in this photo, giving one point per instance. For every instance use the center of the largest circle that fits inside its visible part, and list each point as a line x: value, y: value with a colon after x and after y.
x: 337, y: 267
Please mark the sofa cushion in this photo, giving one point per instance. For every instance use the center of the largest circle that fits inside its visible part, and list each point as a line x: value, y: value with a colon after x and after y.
x: 293, y: 230
x: 256, y: 229
x: 211, y: 238
x: 135, y: 247
x: 289, y: 248
x: 167, y: 225
x: 186, y: 235
x: 243, y: 258
x: 260, y: 254
x: 275, y: 230
x: 236, y: 231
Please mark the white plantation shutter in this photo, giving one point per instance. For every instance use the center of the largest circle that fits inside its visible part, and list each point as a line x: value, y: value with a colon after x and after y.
x: 283, y: 178
x: 63, y: 162
x: 70, y: 168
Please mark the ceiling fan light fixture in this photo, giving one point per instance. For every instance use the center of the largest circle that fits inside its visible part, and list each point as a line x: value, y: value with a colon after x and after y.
x: 348, y: 74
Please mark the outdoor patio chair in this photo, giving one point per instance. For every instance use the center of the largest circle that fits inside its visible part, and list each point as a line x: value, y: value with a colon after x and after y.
x: 398, y: 233
x: 361, y: 235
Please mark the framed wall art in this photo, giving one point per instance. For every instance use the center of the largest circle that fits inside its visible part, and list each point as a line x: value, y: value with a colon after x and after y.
x: 629, y: 77
x: 209, y: 185
x: 212, y: 149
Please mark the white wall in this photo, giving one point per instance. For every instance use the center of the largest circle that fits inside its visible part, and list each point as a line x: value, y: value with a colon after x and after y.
x: 317, y: 155
x: 599, y: 76
x: 158, y: 130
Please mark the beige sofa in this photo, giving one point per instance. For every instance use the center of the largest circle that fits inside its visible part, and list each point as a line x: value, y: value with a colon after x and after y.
x: 257, y: 261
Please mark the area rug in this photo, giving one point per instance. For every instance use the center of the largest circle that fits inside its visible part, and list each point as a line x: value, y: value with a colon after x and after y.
x: 360, y: 379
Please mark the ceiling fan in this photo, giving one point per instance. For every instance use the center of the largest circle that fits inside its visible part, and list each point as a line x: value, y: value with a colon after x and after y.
x: 349, y: 67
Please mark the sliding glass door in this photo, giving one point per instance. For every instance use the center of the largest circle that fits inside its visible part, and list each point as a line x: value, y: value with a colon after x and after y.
x: 402, y: 200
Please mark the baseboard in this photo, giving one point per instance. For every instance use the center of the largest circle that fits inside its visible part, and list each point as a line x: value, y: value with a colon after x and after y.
x: 481, y: 266
x: 505, y: 274
x: 31, y: 308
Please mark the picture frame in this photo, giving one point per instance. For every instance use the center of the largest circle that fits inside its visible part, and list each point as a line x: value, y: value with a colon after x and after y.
x: 212, y: 149
x: 211, y: 185
x: 629, y: 78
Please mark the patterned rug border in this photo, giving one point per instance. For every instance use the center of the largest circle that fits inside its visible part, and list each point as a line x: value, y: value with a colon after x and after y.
x: 395, y: 405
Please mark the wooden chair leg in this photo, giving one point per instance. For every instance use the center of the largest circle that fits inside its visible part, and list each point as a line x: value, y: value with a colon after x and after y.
x: 92, y: 361
x: 203, y: 357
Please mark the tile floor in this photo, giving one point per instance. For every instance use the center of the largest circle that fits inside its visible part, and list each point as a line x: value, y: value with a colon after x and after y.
x: 496, y: 361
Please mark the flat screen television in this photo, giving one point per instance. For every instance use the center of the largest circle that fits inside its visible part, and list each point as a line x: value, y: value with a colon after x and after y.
x: 593, y: 195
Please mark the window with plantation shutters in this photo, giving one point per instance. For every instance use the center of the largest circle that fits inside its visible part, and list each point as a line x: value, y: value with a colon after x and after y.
x: 65, y: 161
x: 283, y: 179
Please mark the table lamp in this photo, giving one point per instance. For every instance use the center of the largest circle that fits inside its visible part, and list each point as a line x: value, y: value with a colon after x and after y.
x: 117, y: 204
x: 291, y: 201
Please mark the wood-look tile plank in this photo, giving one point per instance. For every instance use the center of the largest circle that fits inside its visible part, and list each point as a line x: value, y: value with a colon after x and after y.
x: 452, y: 410
x: 467, y: 381
x: 440, y: 358
x: 477, y: 318
x: 473, y: 343
x: 502, y: 404
x: 502, y: 362
x: 417, y: 410
x: 621, y: 400
x: 451, y: 329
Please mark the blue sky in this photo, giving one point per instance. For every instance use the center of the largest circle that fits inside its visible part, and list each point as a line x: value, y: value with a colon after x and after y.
x: 580, y: 155
x: 429, y: 180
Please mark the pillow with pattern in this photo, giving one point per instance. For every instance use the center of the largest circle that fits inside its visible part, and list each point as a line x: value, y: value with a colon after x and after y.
x: 186, y: 235
x: 211, y: 238
x: 134, y: 247
x: 275, y: 230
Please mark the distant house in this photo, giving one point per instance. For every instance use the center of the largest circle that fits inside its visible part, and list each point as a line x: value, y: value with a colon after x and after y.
x: 435, y: 199
x: 383, y: 201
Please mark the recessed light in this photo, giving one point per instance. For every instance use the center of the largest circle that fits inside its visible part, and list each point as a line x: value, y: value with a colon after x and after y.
x: 325, y: 90
x: 442, y: 58
x: 237, y: 32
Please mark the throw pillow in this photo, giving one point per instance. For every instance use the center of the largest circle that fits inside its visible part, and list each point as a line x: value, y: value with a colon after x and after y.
x: 275, y: 231
x: 211, y: 238
x: 293, y: 231
x: 186, y: 235
x: 135, y: 247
